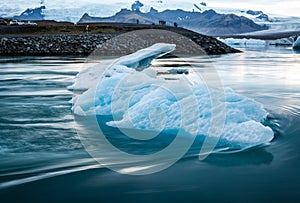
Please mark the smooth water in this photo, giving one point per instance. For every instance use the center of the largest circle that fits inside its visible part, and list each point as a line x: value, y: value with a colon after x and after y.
x: 42, y: 158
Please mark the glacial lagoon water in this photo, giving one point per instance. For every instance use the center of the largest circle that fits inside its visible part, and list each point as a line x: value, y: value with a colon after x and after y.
x: 43, y: 160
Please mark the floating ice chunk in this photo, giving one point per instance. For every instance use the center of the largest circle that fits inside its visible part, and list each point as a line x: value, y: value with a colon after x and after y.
x: 98, y: 97
x: 246, y: 134
x: 257, y: 42
x: 242, y: 124
x: 283, y: 41
x: 89, y: 77
x: 296, y: 44
x: 136, y: 98
x: 244, y: 42
x: 143, y: 58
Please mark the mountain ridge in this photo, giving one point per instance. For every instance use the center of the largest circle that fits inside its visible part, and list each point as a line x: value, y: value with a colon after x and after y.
x: 32, y: 14
x: 208, y: 22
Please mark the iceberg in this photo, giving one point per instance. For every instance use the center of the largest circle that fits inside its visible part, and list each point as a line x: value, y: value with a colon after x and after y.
x: 129, y: 90
x: 245, y: 42
x: 296, y: 44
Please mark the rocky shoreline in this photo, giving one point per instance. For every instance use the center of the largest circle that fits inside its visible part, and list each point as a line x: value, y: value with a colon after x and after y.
x: 46, y: 45
x: 85, y: 44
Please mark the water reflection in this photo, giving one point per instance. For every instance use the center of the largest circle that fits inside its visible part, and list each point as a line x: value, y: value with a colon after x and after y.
x: 251, y: 157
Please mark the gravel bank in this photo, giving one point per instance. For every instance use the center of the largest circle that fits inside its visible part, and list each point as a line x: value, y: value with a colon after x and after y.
x: 85, y: 44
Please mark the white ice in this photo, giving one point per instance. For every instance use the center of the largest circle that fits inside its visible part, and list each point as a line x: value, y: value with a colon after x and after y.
x: 130, y: 91
x: 297, y: 43
x: 257, y: 42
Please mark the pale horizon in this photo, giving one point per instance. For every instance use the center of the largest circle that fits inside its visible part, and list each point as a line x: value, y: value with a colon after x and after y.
x: 279, y: 7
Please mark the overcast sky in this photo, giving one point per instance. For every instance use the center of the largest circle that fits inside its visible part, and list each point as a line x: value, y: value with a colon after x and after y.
x: 282, y: 7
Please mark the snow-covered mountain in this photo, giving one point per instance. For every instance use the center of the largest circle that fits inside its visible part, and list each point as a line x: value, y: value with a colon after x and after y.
x: 74, y: 14
x: 32, y: 14
x: 72, y: 11
x: 275, y: 22
x: 208, y: 22
x: 61, y: 11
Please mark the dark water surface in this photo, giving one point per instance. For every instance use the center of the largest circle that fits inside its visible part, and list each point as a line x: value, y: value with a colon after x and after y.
x: 42, y: 158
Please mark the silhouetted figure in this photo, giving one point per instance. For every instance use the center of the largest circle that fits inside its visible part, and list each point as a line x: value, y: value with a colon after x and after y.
x: 175, y: 24
x: 162, y: 22
x: 87, y: 29
x: 137, y: 21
